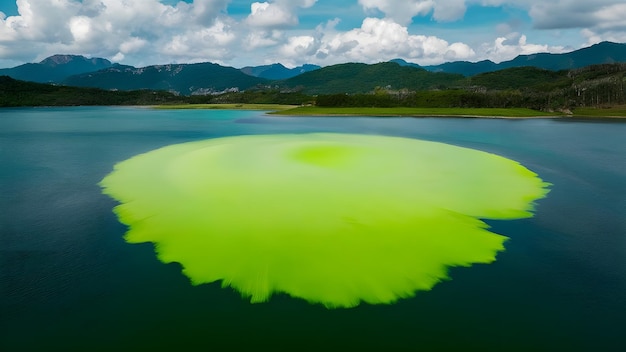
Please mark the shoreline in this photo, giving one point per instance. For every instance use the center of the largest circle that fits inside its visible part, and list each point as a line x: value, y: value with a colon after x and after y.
x: 311, y: 111
x: 492, y: 117
x: 487, y: 113
x: 491, y: 113
x: 587, y: 114
x: 428, y: 116
x: 228, y: 106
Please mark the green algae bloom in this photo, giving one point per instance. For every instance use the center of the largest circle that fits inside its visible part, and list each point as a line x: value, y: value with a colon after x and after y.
x: 336, y: 219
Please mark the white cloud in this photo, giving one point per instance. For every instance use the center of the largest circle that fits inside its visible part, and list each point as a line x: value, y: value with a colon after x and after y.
x: 563, y: 14
x: 593, y: 37
x: 194, y: 46
x: 598, y: 20
x: 264, y: 14
x: 119, y: 28
x: 262, y: 39
x: 205, y: 11
x: 555, y: 14
x: 376, y: 40
x: 132, y: 45
x: 403, y: 11
x: 507, y: 48
x: 400, y: 11
x: 449, y: 10
x: 38, y: 21
x: 611, y: 18
x: 145, y: 32
x: 118, y: 57
x: 279, y: 13
x: 300, y: 46
x: 80, y: 26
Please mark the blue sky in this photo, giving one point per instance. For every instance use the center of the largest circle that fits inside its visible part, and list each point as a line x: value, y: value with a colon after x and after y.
x: 240, y: 33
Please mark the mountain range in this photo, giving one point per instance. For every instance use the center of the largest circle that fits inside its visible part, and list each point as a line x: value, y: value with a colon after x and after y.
x: 210, y: 78
x: 185, y: 79
x: 277, y: 71
x: 56, y: 68
x: 527, y: 87
x: 363, y: 78
x: 601, y: 53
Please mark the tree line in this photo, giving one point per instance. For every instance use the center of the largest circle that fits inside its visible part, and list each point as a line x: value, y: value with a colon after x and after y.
x: 592, y: 86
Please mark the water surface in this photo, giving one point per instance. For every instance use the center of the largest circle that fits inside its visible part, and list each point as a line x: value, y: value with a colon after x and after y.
x: 68, y: 281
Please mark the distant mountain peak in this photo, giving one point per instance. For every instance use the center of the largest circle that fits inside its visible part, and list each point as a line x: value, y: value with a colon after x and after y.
x: 59, y: 59
x: 403, y: 62
x: 277, y: 71
x: 55, y: 68
x: 198, y: 78
x: 607, y: 44
x: 604, y: 52
x: 63, y: 59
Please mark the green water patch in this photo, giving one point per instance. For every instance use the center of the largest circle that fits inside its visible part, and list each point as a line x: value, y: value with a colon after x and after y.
x: 336, y: 219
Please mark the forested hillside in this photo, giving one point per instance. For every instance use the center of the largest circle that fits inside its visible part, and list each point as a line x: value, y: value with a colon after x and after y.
x: 380, y: 85
x: 15, y: 93
x: 527, y: 87
x: 184, y: 79
x: 277, y: 71
x: 363, y: 78
x: 55, y: 69
x: 601, y: 53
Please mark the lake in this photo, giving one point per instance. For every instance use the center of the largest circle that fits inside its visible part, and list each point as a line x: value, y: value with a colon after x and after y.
x: 68, y: 281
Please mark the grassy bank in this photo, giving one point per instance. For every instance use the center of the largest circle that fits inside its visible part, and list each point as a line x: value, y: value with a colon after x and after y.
x: 269, y: 107
x: 291, y: 110
x: 401, y: 111
x: 615, y: 111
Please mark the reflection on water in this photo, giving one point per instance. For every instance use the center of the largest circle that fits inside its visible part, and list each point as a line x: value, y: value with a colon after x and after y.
x: 68, y: 281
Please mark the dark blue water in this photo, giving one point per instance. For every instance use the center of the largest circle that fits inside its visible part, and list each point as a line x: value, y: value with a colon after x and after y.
x: 68, y: 281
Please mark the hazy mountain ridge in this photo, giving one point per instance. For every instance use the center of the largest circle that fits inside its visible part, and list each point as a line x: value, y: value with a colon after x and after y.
x: 363, y: 78
x: 186, y: 79
x: 277, y: 71
x: 56, y: 68
x: 25, y: 93
x: 210, y: 78
x: 528, y: 87
x: 601, y: 53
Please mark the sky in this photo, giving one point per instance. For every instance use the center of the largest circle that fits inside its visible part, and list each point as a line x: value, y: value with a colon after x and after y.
x: 324, y: 32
